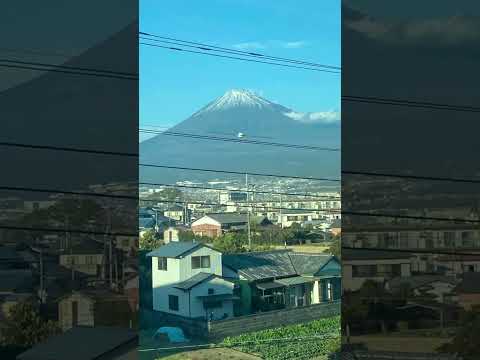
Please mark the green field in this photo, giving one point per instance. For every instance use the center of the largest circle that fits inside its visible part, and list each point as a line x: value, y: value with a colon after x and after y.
x: 304, y: 341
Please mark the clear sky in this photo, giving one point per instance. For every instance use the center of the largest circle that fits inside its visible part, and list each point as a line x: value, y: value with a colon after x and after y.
x: 174, y: 85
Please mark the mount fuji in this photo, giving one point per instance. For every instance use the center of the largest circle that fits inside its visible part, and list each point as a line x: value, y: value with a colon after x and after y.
x: 256, y: 118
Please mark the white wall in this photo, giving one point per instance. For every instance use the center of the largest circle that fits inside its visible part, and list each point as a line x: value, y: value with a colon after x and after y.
x: 179, y: 270
x: 206, y: 220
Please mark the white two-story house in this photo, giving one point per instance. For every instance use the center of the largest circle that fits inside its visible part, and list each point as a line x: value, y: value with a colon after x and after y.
x: 187, y: 281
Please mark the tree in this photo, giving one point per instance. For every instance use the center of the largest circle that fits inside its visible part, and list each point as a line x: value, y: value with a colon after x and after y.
x: 25, y: 327
x: 231, y: 243
x: 150, y: 240
x: 466, y: 342
x: 335, y: 247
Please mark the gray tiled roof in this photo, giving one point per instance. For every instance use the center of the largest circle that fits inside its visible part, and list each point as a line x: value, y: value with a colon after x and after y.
x: 226, y: 218
x: 194, y: 281
x: 101, y: 340
x: 418, y: 281
x: 176, y: 249
x: 261, y: 265
x: 309, y: 264
x: 275, y: 264
x: 294, y: 280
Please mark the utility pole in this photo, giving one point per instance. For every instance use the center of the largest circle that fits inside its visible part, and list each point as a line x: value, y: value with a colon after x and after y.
x: 42, y: 291
x: 248, y: 214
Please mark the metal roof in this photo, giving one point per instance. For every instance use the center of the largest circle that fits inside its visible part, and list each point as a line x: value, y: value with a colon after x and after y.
x: 261, y: 265
x: 275, y: 264
x: 309, y: 264
x: 227, y: 218
x: 269, y: 285
x: 296, y: 280
x: 194, y: 281
x: 101, y: 340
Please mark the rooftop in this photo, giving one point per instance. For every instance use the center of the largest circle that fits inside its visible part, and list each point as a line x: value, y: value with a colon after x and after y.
x: 101, y: 340
x: 176, y: 249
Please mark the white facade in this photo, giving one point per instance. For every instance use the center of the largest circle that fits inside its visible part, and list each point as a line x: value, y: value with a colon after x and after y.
x: 288, y: 219
x: 188, y: 303
x: 352, y: 280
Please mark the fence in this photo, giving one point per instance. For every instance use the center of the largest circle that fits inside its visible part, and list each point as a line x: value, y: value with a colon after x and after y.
x: 271, y: 319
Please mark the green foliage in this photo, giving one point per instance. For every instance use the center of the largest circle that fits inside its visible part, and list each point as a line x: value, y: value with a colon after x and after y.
x: 303, y: 341
x: 188, y: 235
x: 25, y: 327
x: 335, y: 247
x: 149, y: 240
x: 231, y: 243
x: 466, y: 342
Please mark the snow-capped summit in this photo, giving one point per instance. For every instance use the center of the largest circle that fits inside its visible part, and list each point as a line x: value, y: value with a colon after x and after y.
x: 237, y: 98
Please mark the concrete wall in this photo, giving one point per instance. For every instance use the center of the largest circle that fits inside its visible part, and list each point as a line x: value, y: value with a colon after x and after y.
x: 85, y: 311
x: 271, y: 319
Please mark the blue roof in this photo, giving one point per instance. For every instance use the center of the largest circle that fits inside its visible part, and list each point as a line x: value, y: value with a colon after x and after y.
x: 175, y: 249
x: 146, y: 223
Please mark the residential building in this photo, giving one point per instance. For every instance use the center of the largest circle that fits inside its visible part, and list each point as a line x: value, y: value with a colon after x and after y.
x: 181, y: 214
x: 187, y: 280
x: 365, y: 264
x: 289, y: 217
x: 94, y: 307
x: 85, y: 256
x: 214, y: 225
x: 335, y: 227
x: 279, y: 279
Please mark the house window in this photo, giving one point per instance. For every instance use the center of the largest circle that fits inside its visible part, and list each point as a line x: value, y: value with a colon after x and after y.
x: 211, y: 291
x: 162, y: 263
x: 364, y: 270
x: 292, y: 218
x: 329, y: 291
x: 449, y: 238
x: 173, y: 302
x: 200, y: 262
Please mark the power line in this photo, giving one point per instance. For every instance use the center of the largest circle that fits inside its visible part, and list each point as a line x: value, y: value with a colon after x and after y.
x: 242, y: 190
x: 413, y: 177
x: 67, y: 72
x: 409, y: 217
x: 68, y: 149
x: 409, y: 103
x: 238, y: 172
x: 67, y: 192
x: 208, y: 47
x: 410, y: 251
x: 57, y: 230
x: 71, y: 67
x: 246, y: 141
x: 238, y: 58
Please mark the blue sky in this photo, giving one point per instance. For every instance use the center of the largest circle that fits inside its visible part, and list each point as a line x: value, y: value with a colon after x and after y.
x: 174, y: 85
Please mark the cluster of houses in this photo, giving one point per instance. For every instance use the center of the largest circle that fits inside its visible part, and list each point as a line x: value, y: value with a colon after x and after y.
x: 436, y: 268
x: 194, y: 280
x: 214, y: 224
x: 80, y: 282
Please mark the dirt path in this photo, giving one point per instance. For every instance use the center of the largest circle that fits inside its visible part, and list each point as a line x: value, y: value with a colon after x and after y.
x: 419, y: 344
x: 211, y: 354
